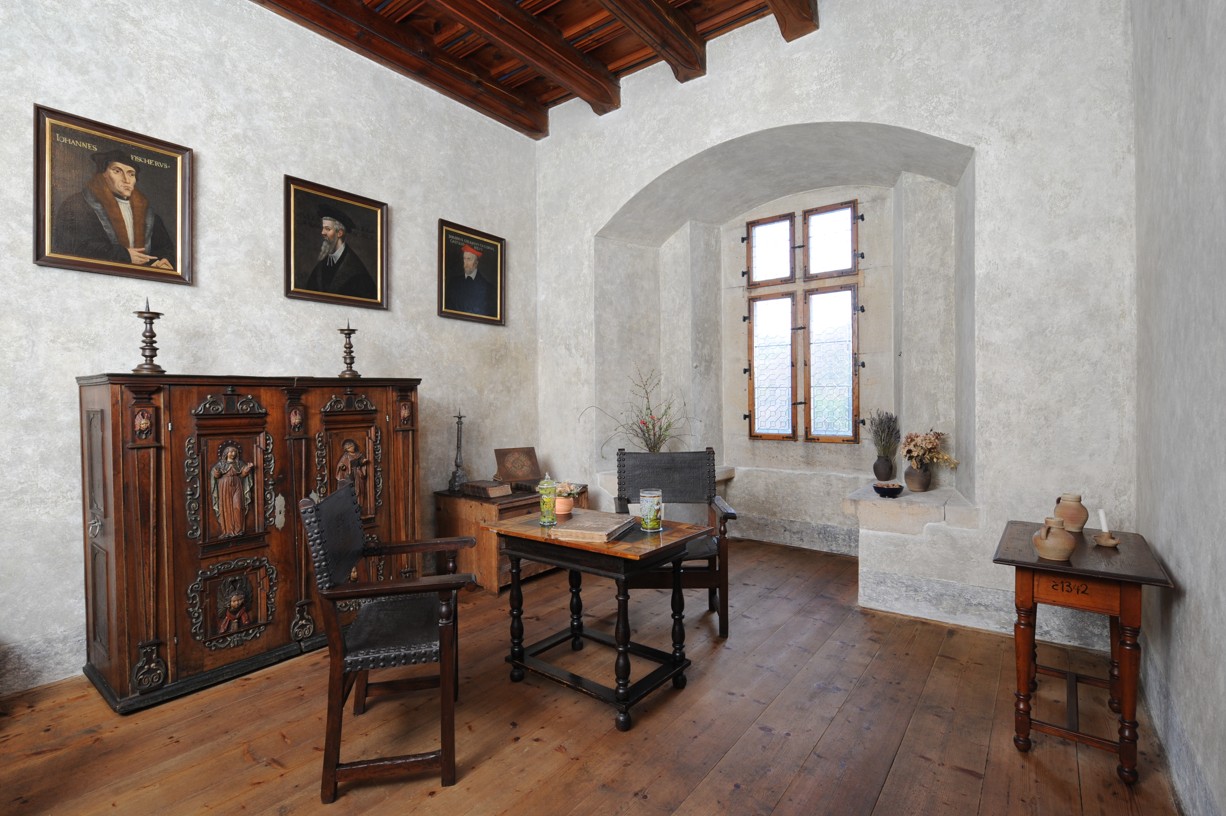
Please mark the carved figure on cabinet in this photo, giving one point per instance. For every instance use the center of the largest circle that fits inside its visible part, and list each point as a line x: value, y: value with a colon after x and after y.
x: 233, y: 600
x: 142, y: 424
x: 295, y: 420
x: 406, y: 413
x: 232, y: 488
x: 354, y: 466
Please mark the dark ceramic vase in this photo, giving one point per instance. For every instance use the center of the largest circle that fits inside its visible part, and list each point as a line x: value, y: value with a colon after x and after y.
x: 918, y: 480
x: 883, y: 469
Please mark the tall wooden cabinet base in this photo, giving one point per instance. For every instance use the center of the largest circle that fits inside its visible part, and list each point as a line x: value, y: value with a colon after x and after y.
x: 196, y: 570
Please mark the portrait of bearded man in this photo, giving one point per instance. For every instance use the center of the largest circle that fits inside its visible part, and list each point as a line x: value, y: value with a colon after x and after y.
x: 338, y: 269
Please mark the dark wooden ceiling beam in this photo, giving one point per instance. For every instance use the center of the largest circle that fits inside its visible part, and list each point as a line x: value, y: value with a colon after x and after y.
x: 666, y: 31
x: 351, y: 24
x: 796, y: 18
x: 511, y: 28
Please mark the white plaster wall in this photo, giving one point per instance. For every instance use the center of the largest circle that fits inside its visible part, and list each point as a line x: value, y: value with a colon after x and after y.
x: 256, y: 97
x: 1043, y: 96
x: 925, y: 278
x: 1181, y: 255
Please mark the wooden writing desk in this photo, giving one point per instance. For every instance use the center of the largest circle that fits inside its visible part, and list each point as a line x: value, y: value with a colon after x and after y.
x: 631, y: 553
x: 1096, y: 579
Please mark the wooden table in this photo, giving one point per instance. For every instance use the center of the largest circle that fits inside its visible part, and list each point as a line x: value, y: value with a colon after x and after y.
x: 631, y: 553
x: 1095, y: 579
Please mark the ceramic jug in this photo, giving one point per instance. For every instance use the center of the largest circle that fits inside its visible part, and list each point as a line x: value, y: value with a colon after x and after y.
x: 1052, y: 541
x: 1072, y: 511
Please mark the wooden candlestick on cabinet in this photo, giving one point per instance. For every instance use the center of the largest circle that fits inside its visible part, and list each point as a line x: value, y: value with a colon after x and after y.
x: 349, y: 373
x: 149, y: 346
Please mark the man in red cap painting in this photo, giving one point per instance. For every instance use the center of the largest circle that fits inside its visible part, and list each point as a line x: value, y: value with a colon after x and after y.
x: 469, y: 291
x: 339, y: 271
x: 111, y: 220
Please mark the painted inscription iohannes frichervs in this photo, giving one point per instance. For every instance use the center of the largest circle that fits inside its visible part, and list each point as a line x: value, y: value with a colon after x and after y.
x: 111, y: 201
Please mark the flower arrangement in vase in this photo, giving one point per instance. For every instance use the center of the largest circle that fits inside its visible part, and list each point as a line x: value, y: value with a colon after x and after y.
x: 922, y: 451
x: 883, y: 428
x: 564, y: 502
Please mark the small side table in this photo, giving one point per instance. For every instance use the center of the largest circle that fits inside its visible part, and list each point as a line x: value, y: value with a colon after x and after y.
x: 1107, y: 580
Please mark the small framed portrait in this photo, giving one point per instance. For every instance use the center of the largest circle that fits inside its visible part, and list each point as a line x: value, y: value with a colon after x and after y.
x: 335, y: 246
x: 111, y: 201
x: 471, y: 274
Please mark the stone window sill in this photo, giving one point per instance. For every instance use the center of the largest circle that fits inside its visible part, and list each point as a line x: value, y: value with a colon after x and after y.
x: 909, y: 512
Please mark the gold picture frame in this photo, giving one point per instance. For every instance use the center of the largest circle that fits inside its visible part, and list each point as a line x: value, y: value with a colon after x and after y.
x: 109, y: 200
x: 335, y: 246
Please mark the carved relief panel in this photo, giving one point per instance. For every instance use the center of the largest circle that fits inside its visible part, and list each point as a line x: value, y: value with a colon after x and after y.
x: 229, y: 466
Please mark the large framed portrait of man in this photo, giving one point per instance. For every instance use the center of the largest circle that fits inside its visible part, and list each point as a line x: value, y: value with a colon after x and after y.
x: 335, y: 246
x: 471, y: 274
x: 109, y: 200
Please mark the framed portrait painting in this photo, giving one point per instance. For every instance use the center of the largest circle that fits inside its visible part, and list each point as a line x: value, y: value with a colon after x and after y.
x: 335, y: 246
x: 471, y: 274
x: 109, y: 200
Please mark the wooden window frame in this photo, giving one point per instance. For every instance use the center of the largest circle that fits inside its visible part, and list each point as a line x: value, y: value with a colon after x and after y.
x: 854, y: 439
x: 854, y: 269
x: 798, y: 291
x: 790, y: 296
x: 749, y: 228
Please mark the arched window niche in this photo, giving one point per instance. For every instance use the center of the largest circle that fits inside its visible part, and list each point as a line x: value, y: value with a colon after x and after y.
x: 669, y: 296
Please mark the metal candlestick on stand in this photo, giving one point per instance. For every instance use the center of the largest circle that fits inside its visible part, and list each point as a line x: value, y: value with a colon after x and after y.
x: 149, y: 347
x: 458, y: 476
x: 349, y: 373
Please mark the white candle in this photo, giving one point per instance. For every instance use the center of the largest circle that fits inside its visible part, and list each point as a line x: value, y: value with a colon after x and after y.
x: 1102, y: 520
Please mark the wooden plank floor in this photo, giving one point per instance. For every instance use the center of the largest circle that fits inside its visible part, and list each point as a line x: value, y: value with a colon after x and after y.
x: 812, y: 706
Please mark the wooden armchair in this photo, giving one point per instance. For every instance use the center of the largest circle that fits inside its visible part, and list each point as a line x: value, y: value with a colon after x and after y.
x: 686, y: 477
x: 398, y: 623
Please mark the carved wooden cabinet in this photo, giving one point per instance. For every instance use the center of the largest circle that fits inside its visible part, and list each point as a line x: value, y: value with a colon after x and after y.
x: 456, y: 514
x: 196, y: 569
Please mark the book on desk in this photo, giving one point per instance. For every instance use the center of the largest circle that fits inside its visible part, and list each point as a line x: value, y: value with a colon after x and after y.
x: 593, y: 525
x: 486, y: 489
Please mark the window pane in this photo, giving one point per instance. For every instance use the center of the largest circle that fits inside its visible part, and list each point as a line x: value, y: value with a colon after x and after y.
x: 829, y: 243
x: 772, y: 366
x: 771, y: 259
x: 830, y: 363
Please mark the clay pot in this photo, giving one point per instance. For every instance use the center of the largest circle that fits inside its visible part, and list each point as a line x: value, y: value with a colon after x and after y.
x: 563, y: 505
x: 918, y: 480
x: 883, y: 469
x: 1070, y: 509
x: 1053, y: 542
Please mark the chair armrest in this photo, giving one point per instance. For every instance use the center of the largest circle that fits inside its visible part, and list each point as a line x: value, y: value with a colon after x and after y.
x: 722, y: 507
x: 425, y: 545
x: 407, y: 586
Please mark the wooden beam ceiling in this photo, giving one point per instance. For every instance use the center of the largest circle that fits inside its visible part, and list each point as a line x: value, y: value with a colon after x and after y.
x: 513, y: 61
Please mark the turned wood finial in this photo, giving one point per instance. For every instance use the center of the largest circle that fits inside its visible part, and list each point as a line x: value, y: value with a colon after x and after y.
x: 349, y: 373
x: 149, y: 346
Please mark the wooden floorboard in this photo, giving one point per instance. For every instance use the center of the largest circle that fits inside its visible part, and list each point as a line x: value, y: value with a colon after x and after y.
x: 812, y: 706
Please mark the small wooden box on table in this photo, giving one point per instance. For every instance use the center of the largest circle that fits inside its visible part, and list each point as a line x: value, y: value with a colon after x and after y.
x: 457, y: 514
x: 1107, y: 580
x: 627, y: 555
